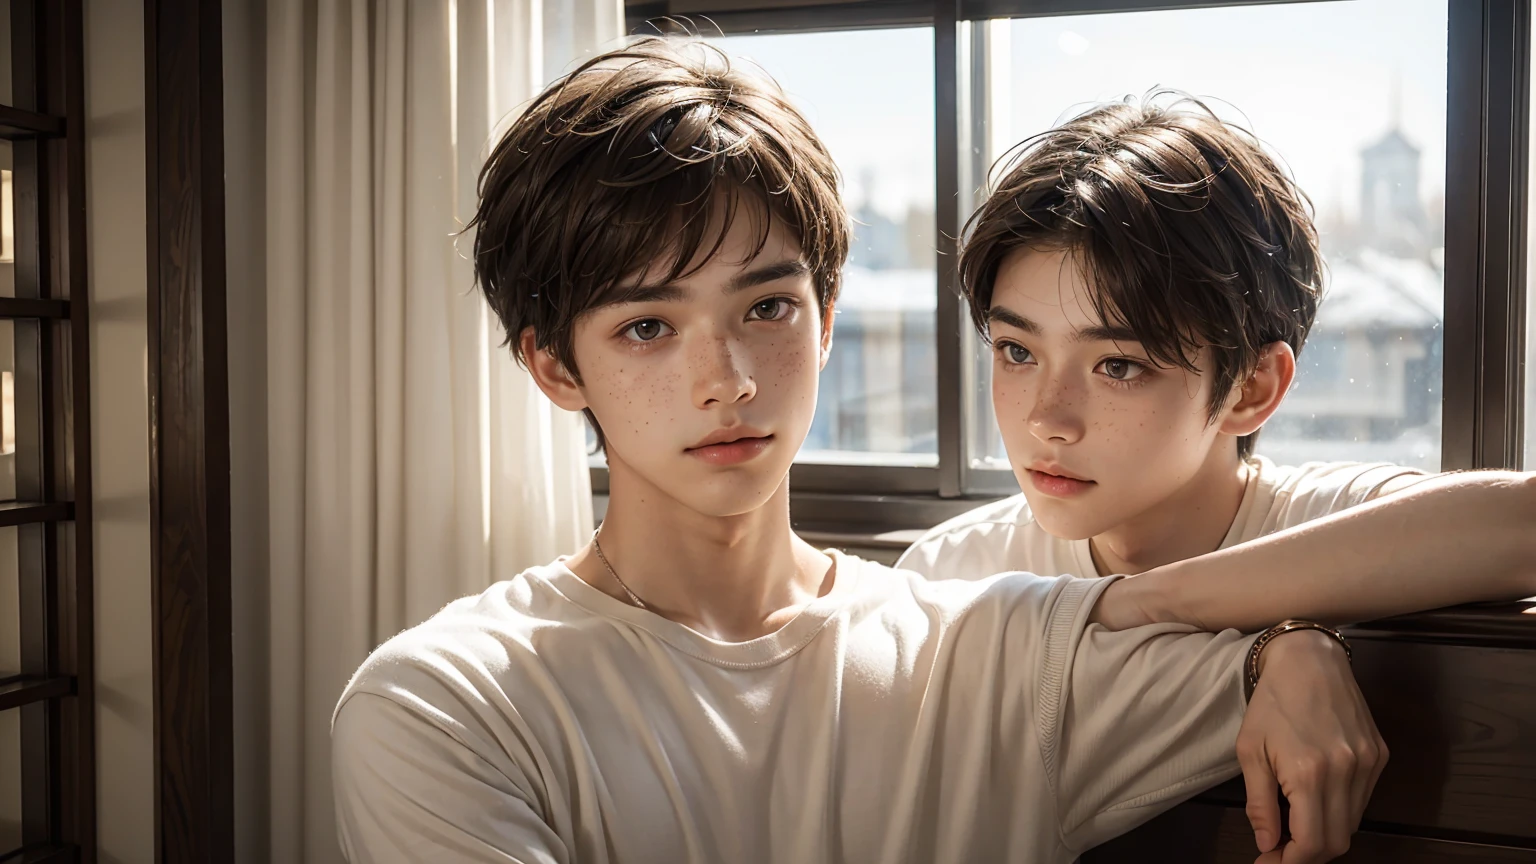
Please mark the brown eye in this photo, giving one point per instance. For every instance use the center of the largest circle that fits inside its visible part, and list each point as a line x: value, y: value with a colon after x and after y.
x: 771, y: 309
x: 646, y: 331
x: 1121, y: 369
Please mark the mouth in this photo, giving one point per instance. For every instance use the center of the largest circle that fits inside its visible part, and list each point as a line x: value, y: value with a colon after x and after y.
x: 1057, y: 483
x: 730, y: 449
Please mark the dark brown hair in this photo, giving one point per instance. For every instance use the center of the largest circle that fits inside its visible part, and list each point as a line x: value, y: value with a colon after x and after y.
x: 619, y: 175
x: 1190, y: 235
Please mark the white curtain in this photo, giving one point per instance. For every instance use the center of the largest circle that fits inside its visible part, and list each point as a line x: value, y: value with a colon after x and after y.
x: 411, y: 461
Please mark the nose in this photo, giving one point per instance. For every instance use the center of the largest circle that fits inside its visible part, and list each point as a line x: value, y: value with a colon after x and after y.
x: 721, y: 373
x: 1056, y: 417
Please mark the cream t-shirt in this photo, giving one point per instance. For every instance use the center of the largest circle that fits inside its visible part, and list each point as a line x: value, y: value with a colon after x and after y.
x: 1004, y: 535
x: 895, y: 719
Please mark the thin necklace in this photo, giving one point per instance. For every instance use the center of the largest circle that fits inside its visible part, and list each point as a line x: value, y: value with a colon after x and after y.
x: 598, y: 548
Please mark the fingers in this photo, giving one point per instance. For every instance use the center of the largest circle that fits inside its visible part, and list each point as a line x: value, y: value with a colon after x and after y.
x: 1307, y: 828
x: 1341, y: 807
x: 1263, y: 794
x: 1323, y: 791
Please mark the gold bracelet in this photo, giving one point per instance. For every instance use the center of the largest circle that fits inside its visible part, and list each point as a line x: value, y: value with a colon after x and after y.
x: 1284, y: 627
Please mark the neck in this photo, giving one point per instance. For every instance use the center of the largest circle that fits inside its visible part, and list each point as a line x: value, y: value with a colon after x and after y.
x: 732, y: 578
x: 1191, y: 522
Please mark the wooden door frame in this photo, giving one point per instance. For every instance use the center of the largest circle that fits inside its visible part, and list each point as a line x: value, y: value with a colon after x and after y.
x: 189, y: 433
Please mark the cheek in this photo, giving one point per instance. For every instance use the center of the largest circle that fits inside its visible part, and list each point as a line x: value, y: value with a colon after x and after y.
x: 1011, y: 396
x: 632, y: 395
x: 1159, y: 428
x: 787, y: 361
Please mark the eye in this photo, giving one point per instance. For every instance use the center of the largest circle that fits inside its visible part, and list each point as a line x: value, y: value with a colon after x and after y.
x: 1121, y: 369
x: 647, y: 330
x: 772, y: 309
x: 1015, y: 353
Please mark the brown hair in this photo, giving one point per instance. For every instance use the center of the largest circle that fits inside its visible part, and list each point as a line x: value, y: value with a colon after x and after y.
x: 1190, y: 235
x: 621, y: 173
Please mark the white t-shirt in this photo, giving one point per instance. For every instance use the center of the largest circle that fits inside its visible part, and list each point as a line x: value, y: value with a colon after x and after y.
x: 1004, y: 535
x: 894, y: 719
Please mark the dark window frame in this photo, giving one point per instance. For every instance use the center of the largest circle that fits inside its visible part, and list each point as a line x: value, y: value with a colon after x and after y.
x: 189, y: 459
x: 54, y: 690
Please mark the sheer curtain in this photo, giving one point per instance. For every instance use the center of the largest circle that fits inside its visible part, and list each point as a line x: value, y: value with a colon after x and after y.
x: 411, y: 461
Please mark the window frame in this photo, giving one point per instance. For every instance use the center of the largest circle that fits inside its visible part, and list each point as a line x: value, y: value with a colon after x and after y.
x: 54, y: 688
x: 1487, y: 84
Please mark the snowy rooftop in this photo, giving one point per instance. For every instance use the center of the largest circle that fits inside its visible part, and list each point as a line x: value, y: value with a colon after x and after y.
x: 1373, y: 290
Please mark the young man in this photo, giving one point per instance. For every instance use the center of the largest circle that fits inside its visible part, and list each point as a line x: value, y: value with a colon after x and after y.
x: 1145, y: 275
x: 662, y: 237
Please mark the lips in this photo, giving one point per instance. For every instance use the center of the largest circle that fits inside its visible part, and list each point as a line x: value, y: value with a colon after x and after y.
x: 1057, y: 482
x: 731, y: 446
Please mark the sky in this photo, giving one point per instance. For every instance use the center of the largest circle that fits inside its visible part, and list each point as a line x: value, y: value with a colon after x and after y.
x: 1316, y: 81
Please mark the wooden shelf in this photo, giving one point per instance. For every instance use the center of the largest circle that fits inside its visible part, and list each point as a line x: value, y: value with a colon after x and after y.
x: 29, y: 307
x: 19, y: 125
x: 31, y: 512
x: 30, y: 689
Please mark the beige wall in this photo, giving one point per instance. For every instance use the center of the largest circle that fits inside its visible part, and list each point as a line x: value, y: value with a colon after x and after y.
x: 245, y: 218
x: 116, y: 208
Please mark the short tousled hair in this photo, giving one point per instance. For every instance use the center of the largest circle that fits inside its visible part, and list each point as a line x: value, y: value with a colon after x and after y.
x: 628, y: 173
x: 1186, y: 231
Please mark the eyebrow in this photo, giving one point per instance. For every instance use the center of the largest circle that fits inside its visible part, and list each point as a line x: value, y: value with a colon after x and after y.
x: 764, y: 275
x: 1095, y: 333
x: 738, y: 283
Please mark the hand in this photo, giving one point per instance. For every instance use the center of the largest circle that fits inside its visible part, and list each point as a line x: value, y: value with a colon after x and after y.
x: 1309, y: 732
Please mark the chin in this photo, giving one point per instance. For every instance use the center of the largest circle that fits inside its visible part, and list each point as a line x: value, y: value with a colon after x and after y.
x: 731, y: 493
x: 1069, y: 521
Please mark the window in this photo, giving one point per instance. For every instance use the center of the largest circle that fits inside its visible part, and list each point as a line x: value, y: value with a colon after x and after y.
x: 1352, y: 98
x: 869, y: 95
x: 1360, y: 99
x: 47, y: 768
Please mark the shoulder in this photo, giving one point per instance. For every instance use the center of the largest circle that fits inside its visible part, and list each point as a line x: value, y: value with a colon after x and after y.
x: 975, y: 544
x: 468, y: 655
x: 1004, y: 605
x: 1316, y: 489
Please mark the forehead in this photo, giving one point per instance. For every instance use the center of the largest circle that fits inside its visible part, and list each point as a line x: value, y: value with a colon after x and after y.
x: 748, y: 239
x: 1047, y: 287
x: 738, y: 265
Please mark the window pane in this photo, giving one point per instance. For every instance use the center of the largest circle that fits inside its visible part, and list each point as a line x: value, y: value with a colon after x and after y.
x: 10, y: 721
x: 7, y: 222
x: 1351, y: 96
x: 10, y: 780
x: 869, y: 95
x: 5, y: 69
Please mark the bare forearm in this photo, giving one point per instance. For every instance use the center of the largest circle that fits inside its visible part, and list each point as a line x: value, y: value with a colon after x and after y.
x: 1460, y: 538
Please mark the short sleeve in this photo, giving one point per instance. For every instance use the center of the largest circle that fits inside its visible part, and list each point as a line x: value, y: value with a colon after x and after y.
x: 974, y: 545
x: 1321, y: 489
x: 952, y: 555
x: 407, y: 791
x: 1142, y: 720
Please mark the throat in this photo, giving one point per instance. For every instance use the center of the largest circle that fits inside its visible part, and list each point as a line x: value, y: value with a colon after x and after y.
x: 1193, y: 522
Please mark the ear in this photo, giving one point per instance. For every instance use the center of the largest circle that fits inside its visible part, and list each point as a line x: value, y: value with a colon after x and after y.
x: 1256, y: 399
x: 826, y: 333
x: 551, y: 376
